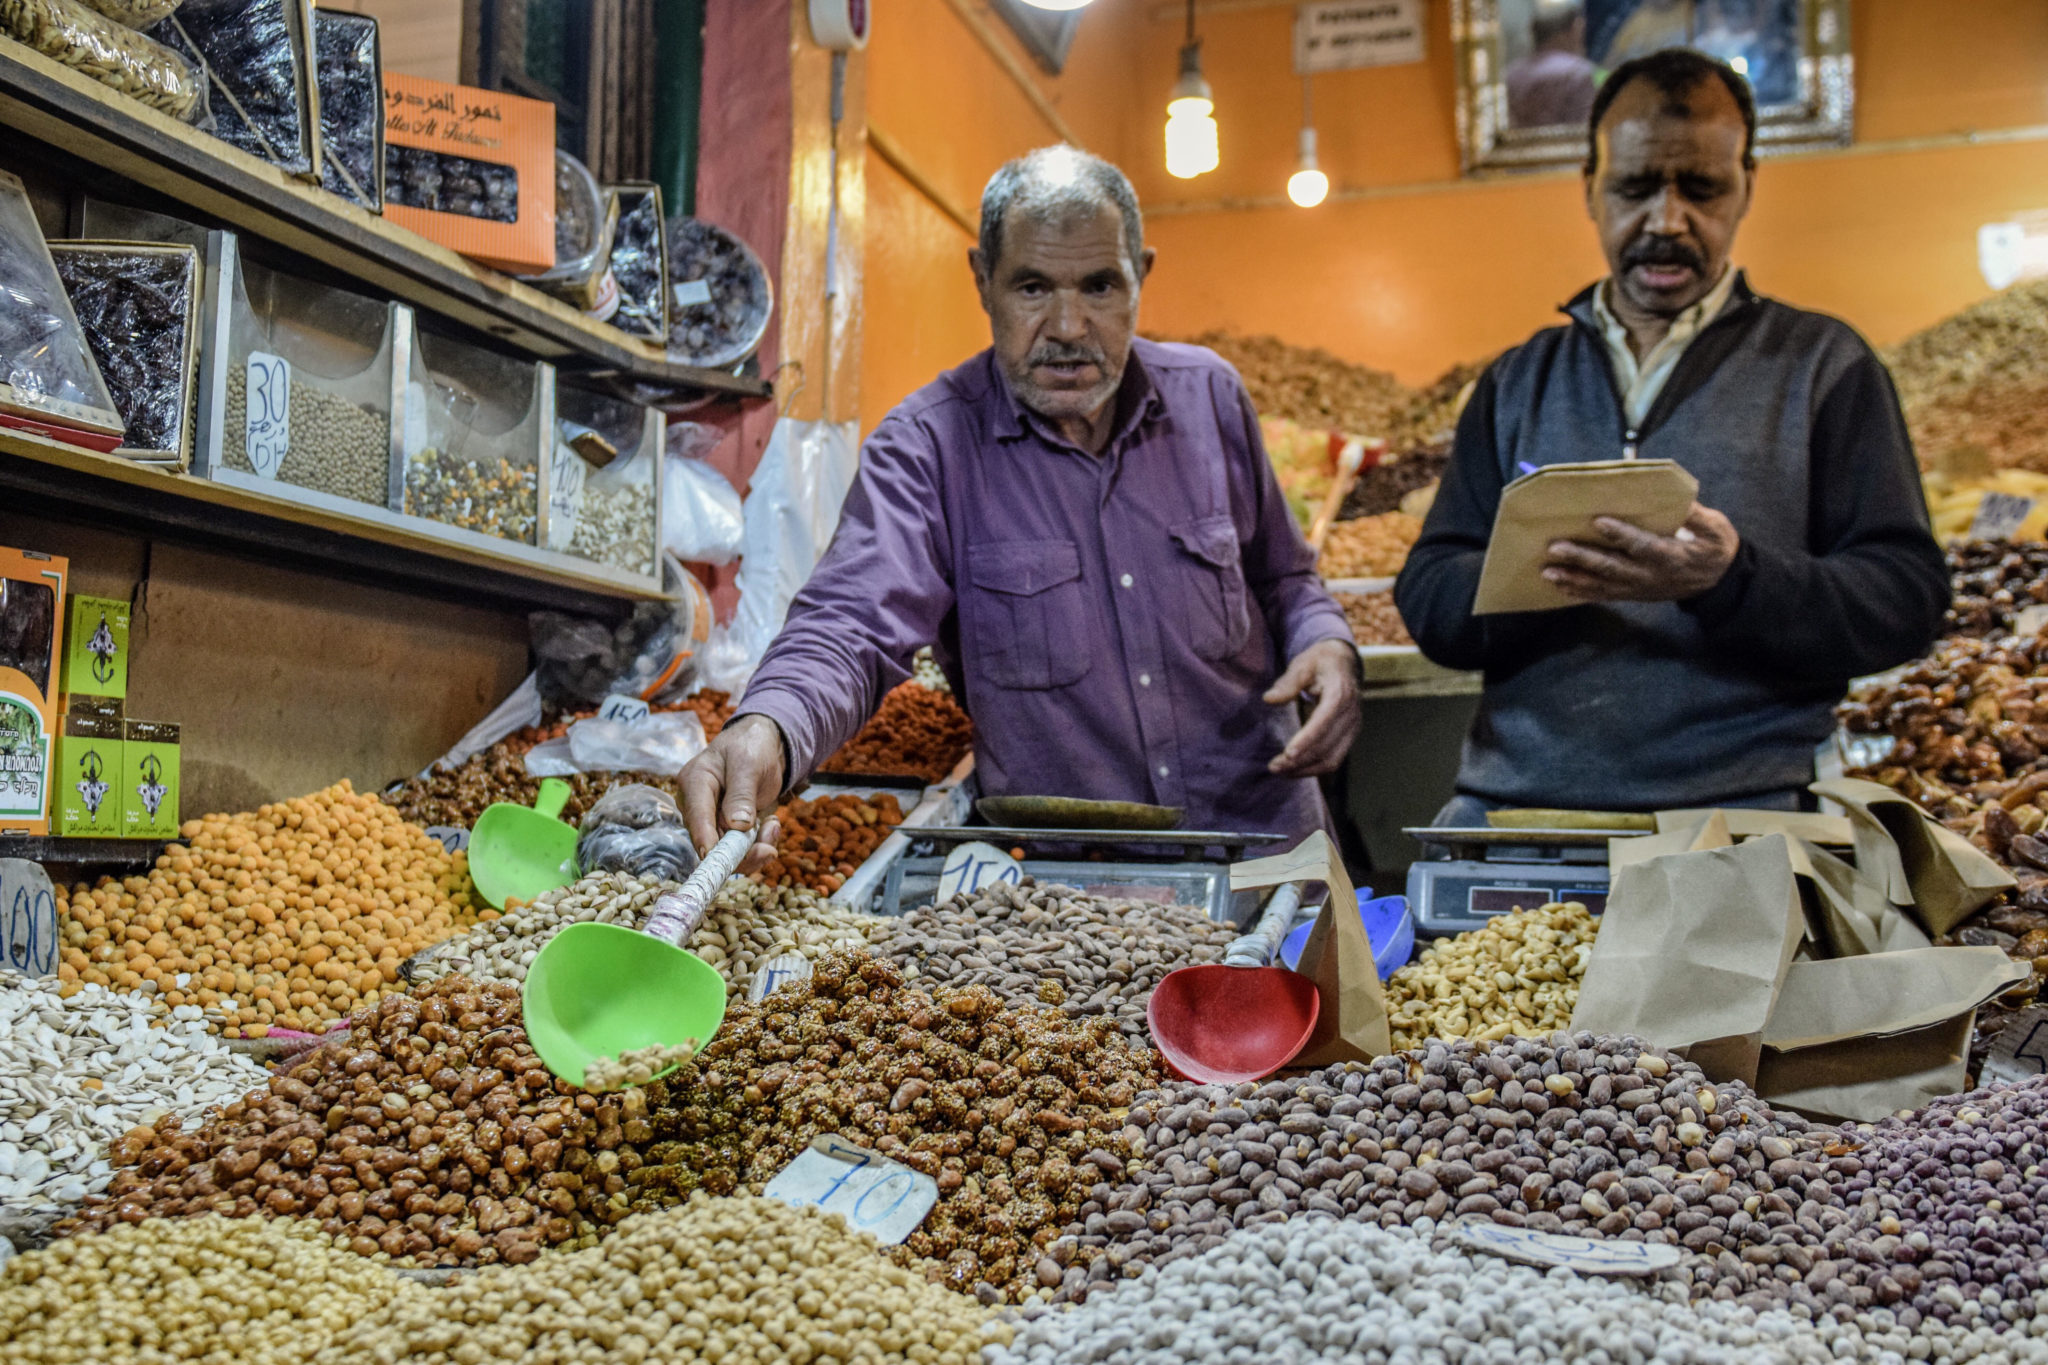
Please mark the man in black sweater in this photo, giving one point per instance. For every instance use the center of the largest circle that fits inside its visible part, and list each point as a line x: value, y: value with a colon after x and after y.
x: 1702, y: 667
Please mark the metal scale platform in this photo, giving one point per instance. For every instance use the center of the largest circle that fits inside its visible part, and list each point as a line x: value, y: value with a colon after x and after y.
x: 1492, y: 871
x: 1183, y: 874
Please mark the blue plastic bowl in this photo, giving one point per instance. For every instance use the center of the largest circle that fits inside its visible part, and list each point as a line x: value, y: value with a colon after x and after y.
x: 1388, y: 925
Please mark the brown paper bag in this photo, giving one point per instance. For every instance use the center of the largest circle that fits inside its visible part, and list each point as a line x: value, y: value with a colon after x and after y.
x: 1858, y: 1038
x: 1691, y: 950
x: 1917, y: 861
x: 1351, y: 1024
x: 1560, y: 502
x: 1708, y: 830
x: 1747, y: 823
x: 1847, y: 915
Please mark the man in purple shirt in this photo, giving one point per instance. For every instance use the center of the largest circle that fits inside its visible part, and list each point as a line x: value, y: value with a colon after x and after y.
x: 1087, y: 526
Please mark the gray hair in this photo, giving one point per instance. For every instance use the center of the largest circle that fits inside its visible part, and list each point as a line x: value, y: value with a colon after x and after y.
x: 1058, y: 184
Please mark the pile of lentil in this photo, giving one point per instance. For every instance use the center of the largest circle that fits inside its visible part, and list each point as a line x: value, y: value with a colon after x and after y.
x: 746, y: 925
x: 725, y: 1280
x: 79, y: 1070
x: 1033, y: 944
x: 1017, y: 1113
x: 289, y: 915
x: 430, y: 1131
x: 1518, y: 973
x: 916, y: 732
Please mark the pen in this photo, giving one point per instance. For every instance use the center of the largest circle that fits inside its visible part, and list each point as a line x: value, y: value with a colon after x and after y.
x: 1525, y: 467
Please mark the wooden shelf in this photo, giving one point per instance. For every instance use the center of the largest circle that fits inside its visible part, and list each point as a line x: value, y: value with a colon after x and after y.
x: 52, y: 104
x: 1388, y: 673
x: 368, y: 542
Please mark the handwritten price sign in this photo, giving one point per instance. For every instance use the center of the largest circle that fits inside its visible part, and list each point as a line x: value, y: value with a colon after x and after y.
x: 874, y: 1194
x: 267, y: 435
x: 970, y: 867
x: 28, y: 918
x: 1587, y: 1255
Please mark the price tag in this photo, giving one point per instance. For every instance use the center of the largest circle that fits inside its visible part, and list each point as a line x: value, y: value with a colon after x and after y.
x: 690, y: 293
x: 875, y: 1195
x: 267, y: 434
x: 565, y: 495
x: 1587, y: 1255
x: 2021, y: 1052
x: 970, y: 867
x: 28, y: 918
x: 624, y: 709
x: 453, y: 837
x: 1999, y: 515
x: 775, y: 971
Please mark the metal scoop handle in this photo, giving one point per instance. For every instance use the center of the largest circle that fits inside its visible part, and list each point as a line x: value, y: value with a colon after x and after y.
x: 1256, y: 949
x: 676, y: 915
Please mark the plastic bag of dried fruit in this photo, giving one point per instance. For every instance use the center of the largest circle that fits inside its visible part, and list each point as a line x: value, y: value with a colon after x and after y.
x: 637, y: 830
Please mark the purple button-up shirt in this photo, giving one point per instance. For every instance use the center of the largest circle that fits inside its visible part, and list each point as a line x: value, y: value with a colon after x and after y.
x: 1108, y: 620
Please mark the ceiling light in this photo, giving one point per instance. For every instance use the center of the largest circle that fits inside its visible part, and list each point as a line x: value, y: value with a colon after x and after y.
x: 1191, y: 147
x: 1308, y: 185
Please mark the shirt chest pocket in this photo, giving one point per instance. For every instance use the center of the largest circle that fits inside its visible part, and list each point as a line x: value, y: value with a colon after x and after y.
x: 1219, y: 619
x: 1025, y: 625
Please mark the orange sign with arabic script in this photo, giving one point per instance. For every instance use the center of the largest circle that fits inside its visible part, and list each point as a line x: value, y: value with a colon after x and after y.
x: 471, y: 169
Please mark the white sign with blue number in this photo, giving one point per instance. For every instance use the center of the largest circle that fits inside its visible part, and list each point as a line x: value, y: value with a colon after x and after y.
x: 1587, y: 1255
x: 623, y: 709
x: 880, y: 1197
x: 970, y: 867
x: 777, y: 971
x: 453, y: 837
x: 28, y: 918
x: 267, y: 433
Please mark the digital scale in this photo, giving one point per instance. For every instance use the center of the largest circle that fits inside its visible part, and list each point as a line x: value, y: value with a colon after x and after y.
x: 1484, y: 872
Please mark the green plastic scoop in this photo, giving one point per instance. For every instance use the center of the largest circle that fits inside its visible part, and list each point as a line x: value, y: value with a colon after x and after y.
x: 517, y: 851
x: 597, y: 990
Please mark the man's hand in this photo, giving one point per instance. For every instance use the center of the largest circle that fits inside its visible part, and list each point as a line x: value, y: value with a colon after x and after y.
x: 735, y: 779
x: 1329, y: 670
x: 1631, y: 565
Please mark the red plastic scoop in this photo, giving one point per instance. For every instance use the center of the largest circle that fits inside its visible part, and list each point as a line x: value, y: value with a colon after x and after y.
x: 1239, y: 1019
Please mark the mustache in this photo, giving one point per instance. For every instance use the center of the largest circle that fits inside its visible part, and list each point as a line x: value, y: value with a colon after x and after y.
x: 1663, y: 251
x: 1059, y: 353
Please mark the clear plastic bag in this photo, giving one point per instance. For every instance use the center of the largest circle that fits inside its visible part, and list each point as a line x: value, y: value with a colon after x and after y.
x: 661, y: 742
x: 137, y: 305
x: 256, y: 56
x: 701, y: 518
x: 348, y: 61
x: 639, y: 263
x: 116, y: 56
x: 651, y: 654
x: 135, y: 13
x: 47, y: 371
x: 637, y: 830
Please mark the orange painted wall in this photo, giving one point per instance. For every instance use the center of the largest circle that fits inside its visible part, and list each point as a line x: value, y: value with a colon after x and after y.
x: 1434, y: 270
x: 935, y: 90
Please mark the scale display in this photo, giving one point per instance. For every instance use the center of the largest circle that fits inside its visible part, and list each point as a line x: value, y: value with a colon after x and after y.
x: 1452, y: 897
x: 1501, y: 900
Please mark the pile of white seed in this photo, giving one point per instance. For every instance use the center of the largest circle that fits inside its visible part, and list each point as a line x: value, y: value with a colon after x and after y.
x: 77, y: 1073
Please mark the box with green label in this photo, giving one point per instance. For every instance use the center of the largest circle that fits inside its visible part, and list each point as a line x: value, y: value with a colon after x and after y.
x: 87, y: 798
x: 96, y: 647
x: 149, y: 780
x: 31, y: 647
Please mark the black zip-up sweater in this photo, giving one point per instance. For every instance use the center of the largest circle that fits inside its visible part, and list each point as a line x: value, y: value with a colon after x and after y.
x: 1792, y: 427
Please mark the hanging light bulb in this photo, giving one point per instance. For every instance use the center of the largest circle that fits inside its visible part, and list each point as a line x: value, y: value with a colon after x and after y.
x: 1058, y: 4
x: 1308, y: 185
x: 1190, y: 114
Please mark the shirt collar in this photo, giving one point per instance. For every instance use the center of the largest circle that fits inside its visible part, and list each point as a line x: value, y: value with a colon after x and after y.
x: 1137, y: 400
x: 1683, y: 327
x: 1581, y: 307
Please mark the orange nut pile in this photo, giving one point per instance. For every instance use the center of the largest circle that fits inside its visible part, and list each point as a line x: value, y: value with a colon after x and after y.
x: 824, y: 840
x: 289, y: 916
x: 1369, y: 547
x: 917, y: 732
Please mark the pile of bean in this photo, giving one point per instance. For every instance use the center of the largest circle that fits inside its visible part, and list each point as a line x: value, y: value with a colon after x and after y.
x: 1994, y: 581
x: 1374, y: 618
x: 1314, y: 1289
x: 291, y: 915
x: 746, y: 925
x: 337, y: 447
x: 916, y: 732
x: 254, y: 1291
x: 77, y: 1072
x: 826, y: 838
x: 1974, y: 384
x: 1519, y: 973
x: 1032, y: 944
x: 1015, y: 1112
x: 431, y: 1131
x: 1570, y: 1133
x: 615, y: 526
x: 1369, y: 547
x: 728, y: 1280
x: 493, y: 495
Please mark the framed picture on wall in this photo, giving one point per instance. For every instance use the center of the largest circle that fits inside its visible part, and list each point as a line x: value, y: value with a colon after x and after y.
x: 1527, y: 69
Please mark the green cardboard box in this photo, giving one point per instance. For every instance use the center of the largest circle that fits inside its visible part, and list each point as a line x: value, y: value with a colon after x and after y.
x: 96, y: 653
x: 87, y: 801
x: 149, y: 780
